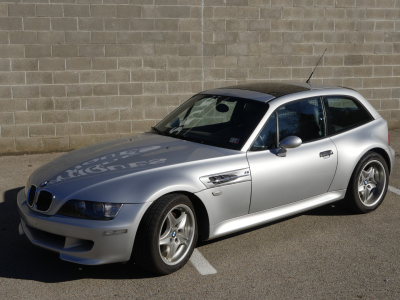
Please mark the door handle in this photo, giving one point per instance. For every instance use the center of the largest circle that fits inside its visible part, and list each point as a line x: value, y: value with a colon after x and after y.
x: 325, y: 153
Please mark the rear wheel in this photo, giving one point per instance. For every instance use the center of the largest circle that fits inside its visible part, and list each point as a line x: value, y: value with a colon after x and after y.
x: 167, y: 235
x: 368, y: 184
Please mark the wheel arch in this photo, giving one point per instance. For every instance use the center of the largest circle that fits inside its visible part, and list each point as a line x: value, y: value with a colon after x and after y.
x: 384, y: 154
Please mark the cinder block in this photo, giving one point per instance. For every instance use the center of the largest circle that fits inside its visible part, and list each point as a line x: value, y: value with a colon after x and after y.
x: 56, y: 116
x: 142, y: 24
x: 143, y: 75
x: 49, y: 10
x: 103, y: 11
x: 143, y: 125
x: 116, y: 24
x: 51, y: 37
x: 105, y: 89
x: 28, y: 144
x: 91, y: 24
x: 65, y: 50
x: 99, y: 37
x: 91, y: 50
x: 119, y: 101
x: 129, y: 37
x: 128, y: 11
x: 12, y: 105
x: 28, y: 117
x: 28, y: 91
x: 169, y: 12
x: 109, y: 114
x: 67, y: 103
x: 11, y: 23
x: 65, y: 77
x: 119, y: 127
x: 79, y: 63
x: 6, y: 118
x: 67, y: 129
x: 101, y: 63
x: 55, y: 144
x: 39, y: 78
x: 74, y: 10
x: 136, y: 113
x: 94, y: 128
x: 81, y: 37
x: 78, y: 90
x: 92, y: 77
x: 51, y: 64
x: 14, y: 131
x: 143, y: 101
x: 37, y: 23
x: 179, y: 88
x: 117, y: 76
x: 42, y: 130
x: 21, y: 10
x: 64, y: 24
x: 24, y: 64
x: 155, y: 88
x: 155, y: 112
x: 81, y: 116
x: 38, y: 51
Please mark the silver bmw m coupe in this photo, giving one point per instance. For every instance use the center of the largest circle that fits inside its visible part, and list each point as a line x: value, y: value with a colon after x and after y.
x: 225, y: 160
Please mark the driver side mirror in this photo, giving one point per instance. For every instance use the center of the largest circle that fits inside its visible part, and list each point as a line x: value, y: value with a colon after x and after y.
x: 288, y: 142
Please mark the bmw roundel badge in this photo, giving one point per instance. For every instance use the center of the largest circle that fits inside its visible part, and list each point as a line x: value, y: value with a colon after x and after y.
x: 43, y: 184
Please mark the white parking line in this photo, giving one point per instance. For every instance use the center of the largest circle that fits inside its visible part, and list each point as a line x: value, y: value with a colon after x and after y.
x: 394, y: 190
x: 201, y: 264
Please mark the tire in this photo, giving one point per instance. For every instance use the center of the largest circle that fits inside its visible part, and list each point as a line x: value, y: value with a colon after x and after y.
x: 368, y: 184
x: 167, y: 235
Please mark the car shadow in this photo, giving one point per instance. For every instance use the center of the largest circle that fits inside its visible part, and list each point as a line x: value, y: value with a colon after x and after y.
x: 19, y: 259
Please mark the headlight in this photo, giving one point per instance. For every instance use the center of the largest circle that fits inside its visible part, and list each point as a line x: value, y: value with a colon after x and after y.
x: 90, y: 210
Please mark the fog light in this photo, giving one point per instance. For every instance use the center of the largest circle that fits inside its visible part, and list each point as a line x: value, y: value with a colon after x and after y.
x: 115, y: 232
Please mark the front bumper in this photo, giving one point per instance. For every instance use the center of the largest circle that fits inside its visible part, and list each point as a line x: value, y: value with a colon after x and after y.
x: 79, y: 240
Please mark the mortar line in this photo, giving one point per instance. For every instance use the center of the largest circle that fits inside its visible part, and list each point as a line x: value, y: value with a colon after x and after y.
x: 202, y: 45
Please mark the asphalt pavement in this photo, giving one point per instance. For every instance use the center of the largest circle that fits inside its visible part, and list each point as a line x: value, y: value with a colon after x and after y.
x: 326, y: 253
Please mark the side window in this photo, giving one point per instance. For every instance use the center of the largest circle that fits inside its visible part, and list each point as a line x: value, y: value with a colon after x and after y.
x: 267, y: 137
x: 344, y: 113
x: 304, y: 118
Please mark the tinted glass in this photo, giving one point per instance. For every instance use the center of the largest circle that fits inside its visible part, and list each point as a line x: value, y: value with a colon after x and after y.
x: 267, y: 137
x: 214, y: 120
x: 304, y: 118
x: 344, y: 113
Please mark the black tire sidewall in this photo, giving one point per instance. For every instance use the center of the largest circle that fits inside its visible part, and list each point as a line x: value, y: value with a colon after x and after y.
x: 159, y: 264
x: 357, y: 205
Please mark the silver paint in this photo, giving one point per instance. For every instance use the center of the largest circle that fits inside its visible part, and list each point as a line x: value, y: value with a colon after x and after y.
x: 138, y: 170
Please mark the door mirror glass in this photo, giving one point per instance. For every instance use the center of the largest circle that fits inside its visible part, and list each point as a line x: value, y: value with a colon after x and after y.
x: 289, y: 142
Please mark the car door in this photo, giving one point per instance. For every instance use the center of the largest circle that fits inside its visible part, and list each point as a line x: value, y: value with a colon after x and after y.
x: 305, y: 171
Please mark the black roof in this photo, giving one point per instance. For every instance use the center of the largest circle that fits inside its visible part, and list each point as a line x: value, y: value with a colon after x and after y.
x: 275, y: 89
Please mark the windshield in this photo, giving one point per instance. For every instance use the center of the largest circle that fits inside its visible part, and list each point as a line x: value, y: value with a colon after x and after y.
x: 220, y: 121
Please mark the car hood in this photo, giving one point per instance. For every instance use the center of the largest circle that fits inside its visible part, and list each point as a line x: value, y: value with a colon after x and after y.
x: 108, y: 160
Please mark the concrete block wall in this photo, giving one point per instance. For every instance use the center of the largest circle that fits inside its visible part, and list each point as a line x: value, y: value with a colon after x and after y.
x: 75, y: 72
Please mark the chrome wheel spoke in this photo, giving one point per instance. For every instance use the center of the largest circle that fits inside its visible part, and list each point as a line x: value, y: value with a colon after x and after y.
x: 181, y: 221
x: 165, y: 241
x: 182, y: 239
x: 172, y: 250
x: 371, y: 174
x: 361, y: 188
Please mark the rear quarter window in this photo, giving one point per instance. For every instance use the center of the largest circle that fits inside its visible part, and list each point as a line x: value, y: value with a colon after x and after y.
x: 344, y: 113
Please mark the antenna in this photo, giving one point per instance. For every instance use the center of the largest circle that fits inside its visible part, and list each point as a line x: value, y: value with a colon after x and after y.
x: 308, y: 80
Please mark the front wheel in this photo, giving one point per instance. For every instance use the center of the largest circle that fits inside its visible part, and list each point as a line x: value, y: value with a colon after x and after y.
x: 167, y: 235
x: 368, y: 184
